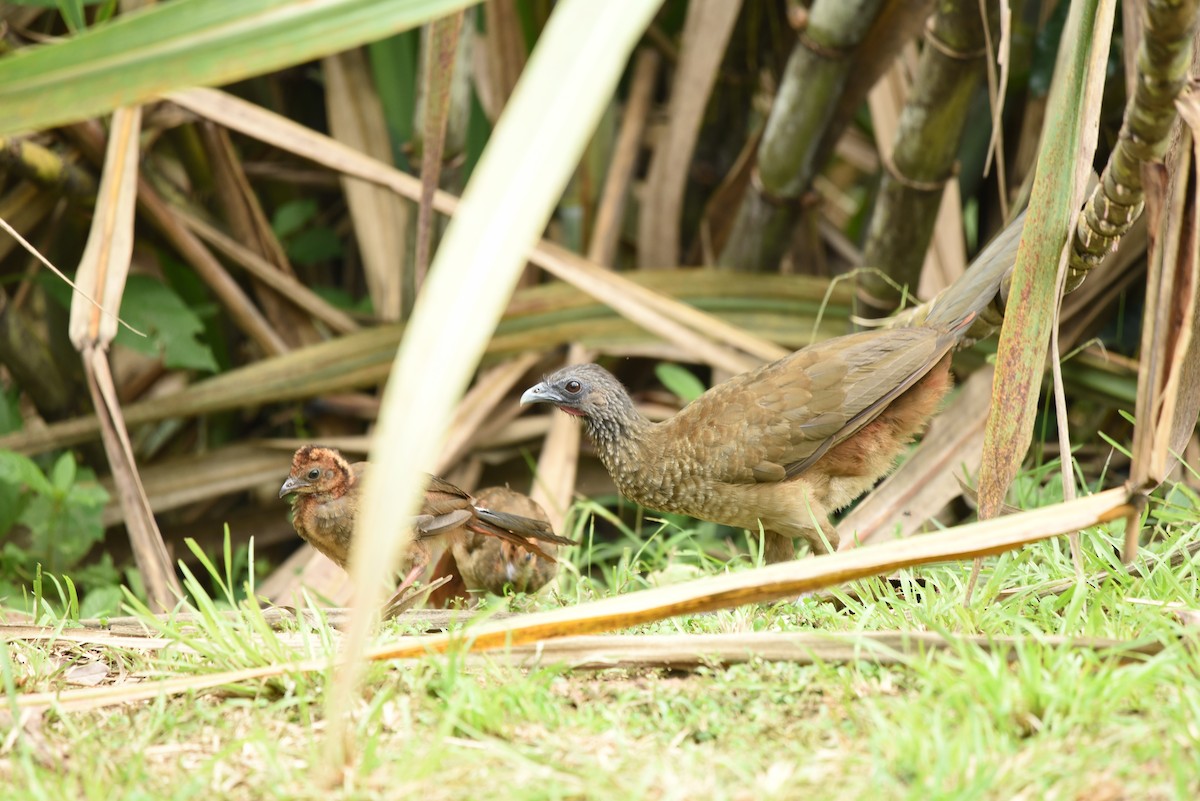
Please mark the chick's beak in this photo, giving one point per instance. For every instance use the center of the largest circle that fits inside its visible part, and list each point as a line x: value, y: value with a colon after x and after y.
x: 291, y: 485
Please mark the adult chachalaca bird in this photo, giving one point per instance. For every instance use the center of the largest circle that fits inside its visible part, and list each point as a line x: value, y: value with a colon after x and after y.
x: 488, y: 564
x: 328, y: 490
x: 788, y: 443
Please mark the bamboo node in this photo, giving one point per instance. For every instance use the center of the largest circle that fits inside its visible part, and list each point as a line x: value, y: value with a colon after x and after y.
x: 827, y: 52
x: 915, y: 184
x: 780, y: 201
x: 948, y: 50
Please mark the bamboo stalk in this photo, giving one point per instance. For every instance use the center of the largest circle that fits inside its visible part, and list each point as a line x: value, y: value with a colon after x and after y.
x: 1163, y: 59
x: 843, y: 50
x: 924, y: 152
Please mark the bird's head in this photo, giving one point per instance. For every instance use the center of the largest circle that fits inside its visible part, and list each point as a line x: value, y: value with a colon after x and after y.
x: 518, y: 563
x: 584, y: 390
x: 317, y: 471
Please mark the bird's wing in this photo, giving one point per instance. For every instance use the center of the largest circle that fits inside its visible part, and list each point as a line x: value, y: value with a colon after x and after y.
x: 445, y: 508
x: 517, y: 529
x: 442, y: 497
x: 772, y: 423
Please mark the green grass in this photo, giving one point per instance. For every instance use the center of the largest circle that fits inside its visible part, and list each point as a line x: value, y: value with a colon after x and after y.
x: 1040, y: 722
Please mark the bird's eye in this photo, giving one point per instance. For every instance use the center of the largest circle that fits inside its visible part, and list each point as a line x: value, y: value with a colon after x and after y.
x: 573, y: 386
x: 314, y: 474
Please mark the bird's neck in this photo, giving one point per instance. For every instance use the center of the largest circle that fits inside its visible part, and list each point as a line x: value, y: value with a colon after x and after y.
x: 619, y: 439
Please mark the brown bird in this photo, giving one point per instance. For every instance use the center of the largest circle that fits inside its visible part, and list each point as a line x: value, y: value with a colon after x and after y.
x: 491, y: 564
x: 790, y: 442
x: 328, y: 489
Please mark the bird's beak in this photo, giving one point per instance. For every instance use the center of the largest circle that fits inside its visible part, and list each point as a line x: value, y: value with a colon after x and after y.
x: 539, y: 393
x: 291, y: 485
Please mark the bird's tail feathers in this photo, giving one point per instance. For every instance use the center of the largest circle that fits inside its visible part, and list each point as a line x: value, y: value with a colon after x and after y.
x: 523, y: 526
x: 961, y: 302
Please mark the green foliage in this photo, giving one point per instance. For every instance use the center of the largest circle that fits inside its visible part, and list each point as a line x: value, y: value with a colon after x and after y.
x: 679, y: 380
x: 172, y: 329
x: 340, y: 298
x: 196, y: 295
x: 49, y: 522
x: 73, y: 10
x: 394, y: 68
x: 304, y: 238
x: 184, y: 43
x: 10, y: 410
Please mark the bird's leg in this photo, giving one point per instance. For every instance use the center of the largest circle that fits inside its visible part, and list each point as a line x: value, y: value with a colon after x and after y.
x: 410, y: 579
x: 824, y: 541
x: 777, y: 548
x: 400, y: 598
x: 782, y: 548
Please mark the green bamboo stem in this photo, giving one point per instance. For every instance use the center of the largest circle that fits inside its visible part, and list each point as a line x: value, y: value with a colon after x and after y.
x: 1163, y: 60
x: 32, y: 365
x: 47, y: 169
x: 925, y: 149
x: 811, y: 89
x: 845, y: 48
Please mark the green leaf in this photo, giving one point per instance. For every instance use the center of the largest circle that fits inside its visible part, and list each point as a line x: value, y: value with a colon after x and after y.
x: 62, y: 475
x: 12, y: 504
x: 394, y: 68
x: 679, y: 380
x: 64, y: 524
x: 314, y: 245
x: 10, y: 411
x: 293, y: 216
x: 172, y: 328
x: 168, y: 46
x: 196, y: 295
x: 1025, y: 338
x: 101, y: 602
x: 21, y: 471
x: 72, y: 14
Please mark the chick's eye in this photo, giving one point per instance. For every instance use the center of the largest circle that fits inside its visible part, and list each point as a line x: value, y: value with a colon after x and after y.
x: 573, y: 386
x: 314, y: 474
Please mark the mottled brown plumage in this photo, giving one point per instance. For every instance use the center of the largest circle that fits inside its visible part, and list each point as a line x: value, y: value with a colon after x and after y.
x: 493, y: 565
x: 327, y: 490
x: 788, y: 443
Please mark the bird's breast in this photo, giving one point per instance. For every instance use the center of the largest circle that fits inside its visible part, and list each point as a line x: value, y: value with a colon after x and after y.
x: 328, y: 527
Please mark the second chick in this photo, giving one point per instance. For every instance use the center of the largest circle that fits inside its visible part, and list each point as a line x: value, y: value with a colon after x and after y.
x: 489, y: 564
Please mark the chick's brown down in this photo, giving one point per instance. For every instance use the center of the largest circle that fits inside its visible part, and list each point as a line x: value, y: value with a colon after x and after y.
x: 327, y: 490
x: 492, y: 565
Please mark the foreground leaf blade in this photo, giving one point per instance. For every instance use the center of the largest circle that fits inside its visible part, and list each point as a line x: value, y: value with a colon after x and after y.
x: 185, y: 43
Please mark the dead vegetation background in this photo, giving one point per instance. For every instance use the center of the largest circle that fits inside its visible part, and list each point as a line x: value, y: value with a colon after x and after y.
x: 706, y: 183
